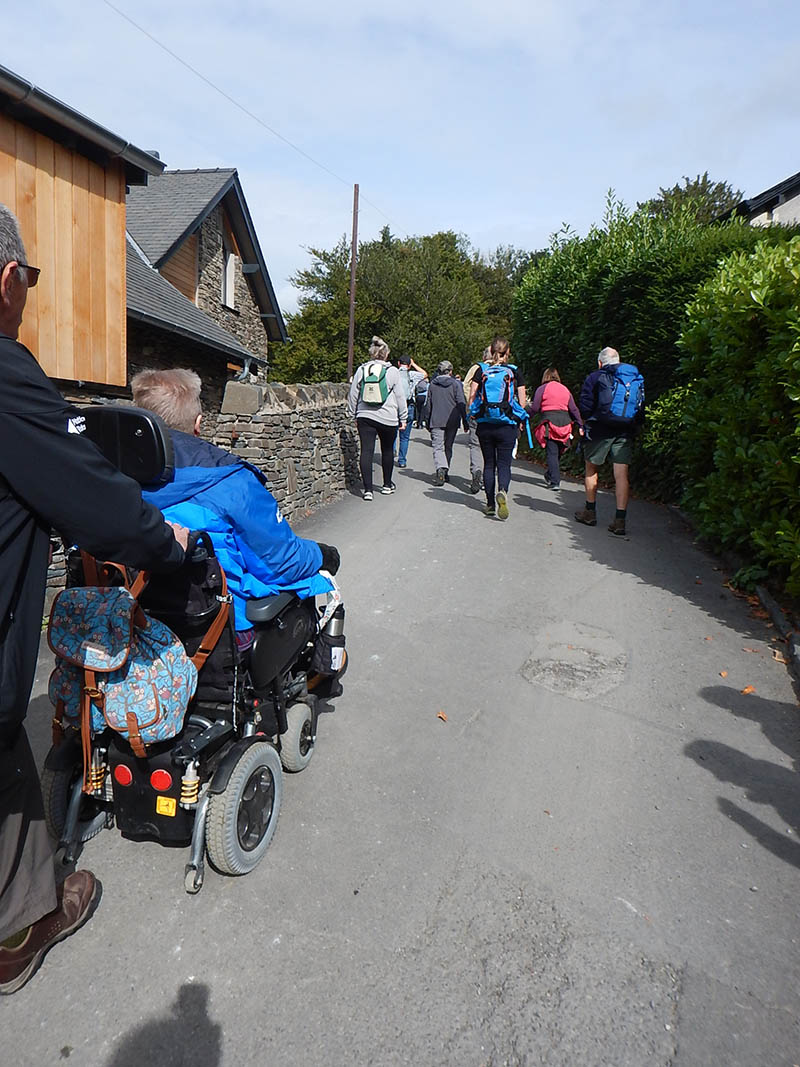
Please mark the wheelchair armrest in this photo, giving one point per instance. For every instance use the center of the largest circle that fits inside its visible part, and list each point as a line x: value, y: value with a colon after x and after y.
x: 269, y: 607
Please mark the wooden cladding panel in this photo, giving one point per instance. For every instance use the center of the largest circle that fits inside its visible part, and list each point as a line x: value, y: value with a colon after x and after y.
x: 72, y: 218
x: 182, y: 266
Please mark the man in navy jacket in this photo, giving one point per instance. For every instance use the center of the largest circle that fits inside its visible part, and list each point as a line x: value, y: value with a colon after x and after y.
x: 50, y: 476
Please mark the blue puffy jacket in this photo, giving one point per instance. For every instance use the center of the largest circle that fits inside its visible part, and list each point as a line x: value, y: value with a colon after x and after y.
x: 215, y: 491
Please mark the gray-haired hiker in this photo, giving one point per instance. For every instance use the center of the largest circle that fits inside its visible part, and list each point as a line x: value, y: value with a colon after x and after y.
x: 445, y: 410
x: 378, y: 401
x: 612, y: 404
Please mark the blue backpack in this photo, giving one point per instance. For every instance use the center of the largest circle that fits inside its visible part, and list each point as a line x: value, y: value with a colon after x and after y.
x: 620, y: 394
x: 496, y: 399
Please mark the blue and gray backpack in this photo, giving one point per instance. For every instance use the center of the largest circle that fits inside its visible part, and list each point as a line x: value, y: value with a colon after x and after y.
x: 620, y: 394
x: 496, y: 399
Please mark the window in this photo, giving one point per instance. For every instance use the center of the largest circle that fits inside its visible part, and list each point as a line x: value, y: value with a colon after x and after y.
x: 228, y: 273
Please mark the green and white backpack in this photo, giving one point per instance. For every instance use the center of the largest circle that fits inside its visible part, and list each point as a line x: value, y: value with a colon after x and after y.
x: 374, y: 387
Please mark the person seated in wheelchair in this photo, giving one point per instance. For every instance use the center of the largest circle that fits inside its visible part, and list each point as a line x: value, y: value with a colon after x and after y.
x: 216, y: 491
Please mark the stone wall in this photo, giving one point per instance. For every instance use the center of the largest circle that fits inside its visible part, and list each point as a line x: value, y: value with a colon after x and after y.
x: 244, y: 320
x: 300, y: 436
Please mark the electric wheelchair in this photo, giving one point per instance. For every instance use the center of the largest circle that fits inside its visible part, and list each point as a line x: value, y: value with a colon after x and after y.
x: 216, y: 786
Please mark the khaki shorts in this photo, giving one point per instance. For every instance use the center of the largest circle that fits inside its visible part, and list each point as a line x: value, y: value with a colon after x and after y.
x: 617, y: 449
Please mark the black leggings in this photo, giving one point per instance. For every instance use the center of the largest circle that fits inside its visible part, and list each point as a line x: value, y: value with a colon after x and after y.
x: 368, y: 430
x: 497, y: 440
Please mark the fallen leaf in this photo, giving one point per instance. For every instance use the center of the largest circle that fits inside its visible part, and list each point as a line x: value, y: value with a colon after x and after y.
x: 547, y: 813
x: 748, y: 689
x: 441, y: 715
x: 723, y: 674
x: 570, y: 646
x: 697, y: 581
x: 709, y: 638
x: 749, y: 650
x: 779, y: 656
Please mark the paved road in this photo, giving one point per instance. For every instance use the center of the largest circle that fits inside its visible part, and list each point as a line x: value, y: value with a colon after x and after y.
x: 593, y: 860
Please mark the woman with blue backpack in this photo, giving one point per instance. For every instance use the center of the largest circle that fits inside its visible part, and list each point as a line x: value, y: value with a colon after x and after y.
x: 497, y: 399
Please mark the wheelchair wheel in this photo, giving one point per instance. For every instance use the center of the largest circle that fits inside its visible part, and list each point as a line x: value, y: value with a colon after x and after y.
x: 297, y: 744
x: 56, y: 789
x: 242, y: 820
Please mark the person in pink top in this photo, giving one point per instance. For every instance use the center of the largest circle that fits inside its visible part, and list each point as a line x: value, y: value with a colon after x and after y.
x: 556, y: 410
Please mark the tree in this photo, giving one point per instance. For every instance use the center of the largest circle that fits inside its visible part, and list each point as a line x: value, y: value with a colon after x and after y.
x: 420, y: 293
x: 709, y: 199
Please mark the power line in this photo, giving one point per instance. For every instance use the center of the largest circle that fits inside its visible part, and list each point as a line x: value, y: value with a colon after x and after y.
x: 237, y: 104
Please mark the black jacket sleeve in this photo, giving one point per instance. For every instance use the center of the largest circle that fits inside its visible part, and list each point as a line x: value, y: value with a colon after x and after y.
x: 63, y: 478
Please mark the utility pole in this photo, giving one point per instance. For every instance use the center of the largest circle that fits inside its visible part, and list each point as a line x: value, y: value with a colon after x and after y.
x: 353, y: 252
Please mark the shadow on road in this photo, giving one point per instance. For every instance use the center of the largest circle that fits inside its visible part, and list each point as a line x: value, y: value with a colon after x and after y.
x: 184, y: 1037
x: 764, y: 782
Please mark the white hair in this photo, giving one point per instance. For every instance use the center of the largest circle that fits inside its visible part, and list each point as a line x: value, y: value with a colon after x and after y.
x: 11, y: 247
x: 608, y: 356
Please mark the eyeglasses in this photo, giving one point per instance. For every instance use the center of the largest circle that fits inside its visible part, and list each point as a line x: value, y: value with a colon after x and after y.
x: 33, y: 273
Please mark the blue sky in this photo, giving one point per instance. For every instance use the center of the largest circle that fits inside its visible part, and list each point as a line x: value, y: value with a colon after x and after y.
x: 500, y: 120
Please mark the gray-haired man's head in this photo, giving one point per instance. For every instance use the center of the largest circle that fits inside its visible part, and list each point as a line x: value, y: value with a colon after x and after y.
x: 14, y: 280
x: 445, y: 367
x: 11, y: 247
x: 607, y: 357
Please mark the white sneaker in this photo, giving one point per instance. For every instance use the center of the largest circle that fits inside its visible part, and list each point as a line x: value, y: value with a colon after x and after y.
x: 367, y: 495
x: 387, y: 489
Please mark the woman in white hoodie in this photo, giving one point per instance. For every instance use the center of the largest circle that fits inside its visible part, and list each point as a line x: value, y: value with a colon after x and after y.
x: 378, y: 402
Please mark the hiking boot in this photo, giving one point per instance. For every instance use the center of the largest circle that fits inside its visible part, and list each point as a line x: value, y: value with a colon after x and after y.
x: 438, y: 478
x: 76, y: 898
x: 387, y: 489
x: 617, y: 527
x: 588, y: 518
x: 477, y: 482
x: 488, y: 511
x: 367, y: 495
x: 502, y: 506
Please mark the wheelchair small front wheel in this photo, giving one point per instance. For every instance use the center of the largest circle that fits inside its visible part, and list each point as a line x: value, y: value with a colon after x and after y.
x: 297, y: 743
x: 57, y: 786
x: 242, y: 819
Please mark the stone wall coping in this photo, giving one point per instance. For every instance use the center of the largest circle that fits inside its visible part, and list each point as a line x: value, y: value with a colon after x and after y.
x: 283, y: 398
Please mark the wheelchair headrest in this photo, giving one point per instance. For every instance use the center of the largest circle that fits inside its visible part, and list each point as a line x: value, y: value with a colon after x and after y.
x: 136, y: 441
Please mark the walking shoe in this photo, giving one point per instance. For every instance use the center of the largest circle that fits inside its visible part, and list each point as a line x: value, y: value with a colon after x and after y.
x: 588, y: 518
x: 555, y: 488
x: 547, y: 480
x: 477, y: 482
x: 367, y: 495
x: 447, y: 476
x: 502, y: 506
x: 617, y: 527
x: 387, y: 489
x: 438, y: 478
x: 76, y: 898
x: 488, y: 511
x: 401, y: 463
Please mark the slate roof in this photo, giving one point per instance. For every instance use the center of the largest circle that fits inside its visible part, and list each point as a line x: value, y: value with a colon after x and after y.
x: 154, y: 301
x: 767, y: 200
x: 174, y: 204
x: 162, y: 214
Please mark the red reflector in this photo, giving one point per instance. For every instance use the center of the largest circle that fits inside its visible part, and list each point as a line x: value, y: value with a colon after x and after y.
x: 122, y: 774
x: 161, y: 780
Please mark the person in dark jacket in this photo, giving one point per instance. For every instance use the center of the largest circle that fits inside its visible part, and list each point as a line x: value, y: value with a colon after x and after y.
x: 605, y: 441
x: 216, y: 491
x: 51, y: 476
x: 445, y: 410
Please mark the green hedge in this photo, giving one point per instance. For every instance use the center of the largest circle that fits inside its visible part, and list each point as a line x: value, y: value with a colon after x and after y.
x: 740, y: 446
x: 627, y: 285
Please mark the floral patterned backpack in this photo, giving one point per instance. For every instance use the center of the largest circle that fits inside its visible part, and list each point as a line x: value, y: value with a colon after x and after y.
x: 117, y: 668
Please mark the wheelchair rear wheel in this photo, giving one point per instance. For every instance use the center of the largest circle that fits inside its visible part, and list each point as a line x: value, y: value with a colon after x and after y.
x: 242, y: 819
x: 297, y: 743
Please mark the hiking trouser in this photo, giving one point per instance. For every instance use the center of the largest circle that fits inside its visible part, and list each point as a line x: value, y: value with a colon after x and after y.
x: 497, y: 441
x: 553, y: 451
x: 27, y: 876
x: 475, y: 457
x: 404, y: 435
x: 368, y: 431
x: 442, y: 438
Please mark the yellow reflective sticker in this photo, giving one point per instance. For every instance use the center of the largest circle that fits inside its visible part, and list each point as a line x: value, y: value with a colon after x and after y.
x: 166, y: 805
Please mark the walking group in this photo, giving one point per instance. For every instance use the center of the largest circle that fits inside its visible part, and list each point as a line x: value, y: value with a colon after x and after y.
x: 492, y: 408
